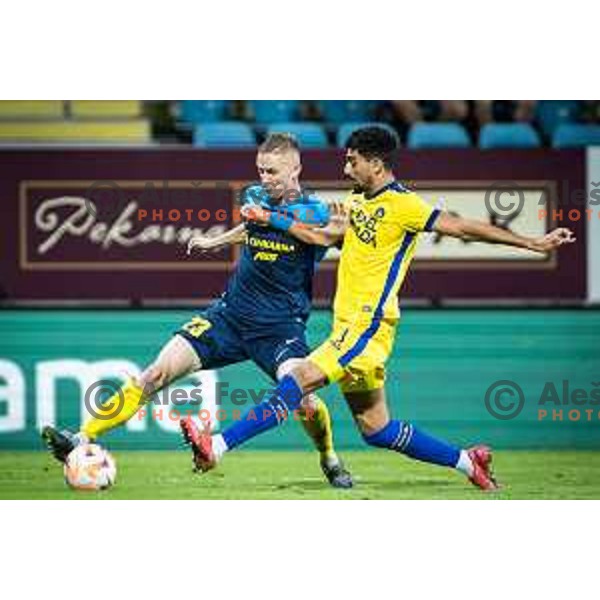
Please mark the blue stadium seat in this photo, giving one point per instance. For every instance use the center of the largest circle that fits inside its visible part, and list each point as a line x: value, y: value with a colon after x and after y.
x: 203, y: 111
x: 552, y: 113
x: 340, y: 111
x: 438, y: 135
x: 346, y: 130
x: 274, y: 111
x: 576, y: 136
x: 309, y: 135
x: 225, y: 134
x: 508, y: 135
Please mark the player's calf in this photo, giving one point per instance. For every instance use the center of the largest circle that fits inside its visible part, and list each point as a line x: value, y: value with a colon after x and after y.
x: 407, y: 439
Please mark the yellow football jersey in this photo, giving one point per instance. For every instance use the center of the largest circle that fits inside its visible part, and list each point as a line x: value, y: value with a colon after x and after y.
x: 378, y: 248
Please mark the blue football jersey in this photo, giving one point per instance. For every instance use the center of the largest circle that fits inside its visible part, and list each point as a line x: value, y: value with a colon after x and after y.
x: 273, y: 279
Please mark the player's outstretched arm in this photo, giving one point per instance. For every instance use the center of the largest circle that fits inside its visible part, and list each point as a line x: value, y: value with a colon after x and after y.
x: 205, y: 243
x: 447, y: 224
x: 328, y: 235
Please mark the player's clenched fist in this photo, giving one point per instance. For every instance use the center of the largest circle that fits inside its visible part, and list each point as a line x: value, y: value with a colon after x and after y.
x: 279, y: 219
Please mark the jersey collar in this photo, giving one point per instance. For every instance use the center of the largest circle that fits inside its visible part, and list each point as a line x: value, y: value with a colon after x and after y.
x: 392, y: 185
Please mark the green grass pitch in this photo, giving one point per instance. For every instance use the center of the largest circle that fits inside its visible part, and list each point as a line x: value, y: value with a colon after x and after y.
x: 295, y: 475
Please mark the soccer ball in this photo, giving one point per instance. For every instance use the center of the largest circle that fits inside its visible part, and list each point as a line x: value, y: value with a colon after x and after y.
x: 90, y: 467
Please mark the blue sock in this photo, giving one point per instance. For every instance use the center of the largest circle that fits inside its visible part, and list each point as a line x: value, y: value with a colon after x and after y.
x: 407, y: 439
x: 286, y: 397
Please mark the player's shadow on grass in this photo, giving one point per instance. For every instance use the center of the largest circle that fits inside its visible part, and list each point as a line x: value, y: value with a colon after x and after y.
x: 404, y: 485
x: 307, y: 485
x: 367, y: 484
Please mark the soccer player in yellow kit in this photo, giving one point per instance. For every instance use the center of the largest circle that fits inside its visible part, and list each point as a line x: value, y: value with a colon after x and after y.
x: 379, y: 225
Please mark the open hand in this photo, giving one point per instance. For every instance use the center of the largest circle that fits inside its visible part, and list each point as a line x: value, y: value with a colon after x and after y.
x: 338, y: 213
x: 555, y: 238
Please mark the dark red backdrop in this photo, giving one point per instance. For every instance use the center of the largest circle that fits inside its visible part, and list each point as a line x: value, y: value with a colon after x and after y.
x: 146, y: 273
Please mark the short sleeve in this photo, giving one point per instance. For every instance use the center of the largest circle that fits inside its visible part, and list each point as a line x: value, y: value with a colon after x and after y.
x: 414, y: 214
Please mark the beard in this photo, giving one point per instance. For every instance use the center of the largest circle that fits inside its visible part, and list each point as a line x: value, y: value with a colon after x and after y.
x: 357, y: 187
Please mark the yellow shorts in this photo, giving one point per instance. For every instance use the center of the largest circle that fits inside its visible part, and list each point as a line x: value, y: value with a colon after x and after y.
x: 355, y: 354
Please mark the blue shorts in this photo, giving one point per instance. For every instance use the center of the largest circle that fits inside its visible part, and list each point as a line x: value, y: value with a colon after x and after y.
x: 221, y: 339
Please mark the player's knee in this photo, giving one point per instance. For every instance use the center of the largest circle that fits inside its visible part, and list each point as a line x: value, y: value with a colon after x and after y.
x: 285, y: 368
x: 309, y: 404
x: 308, y: 376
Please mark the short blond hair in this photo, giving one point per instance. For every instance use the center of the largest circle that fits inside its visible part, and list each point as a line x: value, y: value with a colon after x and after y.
x: 279, y: 142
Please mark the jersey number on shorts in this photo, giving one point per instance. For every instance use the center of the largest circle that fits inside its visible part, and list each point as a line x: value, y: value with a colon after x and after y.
x: 197, y: 326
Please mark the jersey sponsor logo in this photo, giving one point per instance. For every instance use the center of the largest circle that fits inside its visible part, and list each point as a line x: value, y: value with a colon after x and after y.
x: 365, y: 224
x: 266, y: 244
x: 265, y: 256
x: 269, y: 250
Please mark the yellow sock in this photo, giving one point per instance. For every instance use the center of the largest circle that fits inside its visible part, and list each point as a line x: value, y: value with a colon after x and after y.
x: 317, y: 425
x: 130, y: 397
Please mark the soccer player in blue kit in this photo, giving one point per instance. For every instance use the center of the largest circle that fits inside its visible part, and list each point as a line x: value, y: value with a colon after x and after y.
x: 261, y: 316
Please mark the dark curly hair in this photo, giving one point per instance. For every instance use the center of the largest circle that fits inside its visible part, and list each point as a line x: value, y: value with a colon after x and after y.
x: 374, y: 142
